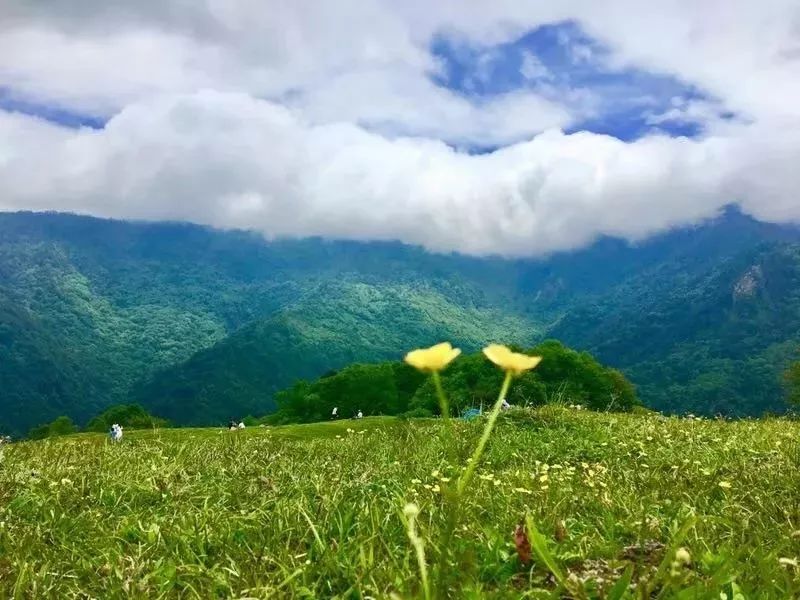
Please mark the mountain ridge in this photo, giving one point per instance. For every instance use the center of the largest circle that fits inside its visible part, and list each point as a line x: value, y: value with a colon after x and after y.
x: 132, y: 303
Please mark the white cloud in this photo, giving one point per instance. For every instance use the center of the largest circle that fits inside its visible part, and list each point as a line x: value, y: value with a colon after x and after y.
x: 533, y: 68
x: 232, y: 161
x: 286, y: 117
x: 409, y: 103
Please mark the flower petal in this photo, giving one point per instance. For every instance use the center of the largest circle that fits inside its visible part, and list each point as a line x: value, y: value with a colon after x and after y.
x: 434, y: 358
x: 507, y: 360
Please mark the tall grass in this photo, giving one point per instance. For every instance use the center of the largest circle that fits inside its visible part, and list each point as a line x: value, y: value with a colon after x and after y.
x: 317, y: 511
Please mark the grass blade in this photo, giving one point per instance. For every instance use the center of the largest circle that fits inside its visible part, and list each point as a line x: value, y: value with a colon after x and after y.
x: 539, y: 546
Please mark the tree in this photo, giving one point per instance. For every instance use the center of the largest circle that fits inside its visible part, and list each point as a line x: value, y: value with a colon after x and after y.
x: 792, y: 383
x: 60, y: 426
x: 470, y: 382
x: 130, y: 416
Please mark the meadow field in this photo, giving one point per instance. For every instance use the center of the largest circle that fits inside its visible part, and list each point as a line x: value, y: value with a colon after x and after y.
x: 564, y: 503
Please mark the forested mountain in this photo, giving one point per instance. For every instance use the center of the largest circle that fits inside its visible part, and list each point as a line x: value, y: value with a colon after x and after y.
x: 713, y: 340
x: 91, y: 309
x: 335, y: 324
x: 196, y: 323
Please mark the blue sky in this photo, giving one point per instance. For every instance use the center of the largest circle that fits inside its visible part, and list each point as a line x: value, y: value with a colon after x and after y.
x: 12, y: 102
x: 560, y: 61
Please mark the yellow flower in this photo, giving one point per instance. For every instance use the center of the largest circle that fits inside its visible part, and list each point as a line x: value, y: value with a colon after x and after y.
x: 434, y: 358
x: 512, y: 362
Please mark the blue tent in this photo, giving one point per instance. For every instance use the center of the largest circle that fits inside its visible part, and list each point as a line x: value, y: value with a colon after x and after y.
x: 470, y: 413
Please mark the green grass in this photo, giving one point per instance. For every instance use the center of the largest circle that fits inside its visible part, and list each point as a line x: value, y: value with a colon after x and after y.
x: 317, y: 510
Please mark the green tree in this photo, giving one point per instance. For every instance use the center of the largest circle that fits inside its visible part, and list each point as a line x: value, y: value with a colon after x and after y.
x: 130, y: 416
x: 60, y: 426
x: 792, y: 381
x: 394, y: 388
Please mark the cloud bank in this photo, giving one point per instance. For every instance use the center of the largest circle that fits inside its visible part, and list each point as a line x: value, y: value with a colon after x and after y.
x: 333, y: 119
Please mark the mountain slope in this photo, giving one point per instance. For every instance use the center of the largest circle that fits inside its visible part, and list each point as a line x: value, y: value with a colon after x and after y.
x: 336, y: 324
x: 121, y: 301
x: 105, y: 310
x: 714, y: 341
x: 37, y: 375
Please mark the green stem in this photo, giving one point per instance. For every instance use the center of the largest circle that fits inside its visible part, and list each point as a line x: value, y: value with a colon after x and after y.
x: 487, y: 431
x: 449, y: 498
x: 419, y: 550
x: 444, y: 407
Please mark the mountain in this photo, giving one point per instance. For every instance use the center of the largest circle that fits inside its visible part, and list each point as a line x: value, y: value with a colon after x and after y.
x: 106, y: 305
x: 335, y: 324
x: 197, y: 323
x: 704, y: 340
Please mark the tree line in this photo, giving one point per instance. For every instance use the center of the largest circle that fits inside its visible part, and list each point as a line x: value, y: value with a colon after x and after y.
x: 394, y: 388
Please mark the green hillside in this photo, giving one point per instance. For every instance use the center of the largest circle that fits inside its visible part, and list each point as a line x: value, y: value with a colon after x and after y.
x: 197, y: 323
x: 334, y: 325
x: 108, y: 305
x: 713, y: 341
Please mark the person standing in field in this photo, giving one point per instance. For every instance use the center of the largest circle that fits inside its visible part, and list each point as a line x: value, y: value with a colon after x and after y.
x: 335, y: 412
x: 360, y: 415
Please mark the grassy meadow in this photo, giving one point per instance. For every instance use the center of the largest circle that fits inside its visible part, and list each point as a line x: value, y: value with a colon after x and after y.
x: 625, y: 506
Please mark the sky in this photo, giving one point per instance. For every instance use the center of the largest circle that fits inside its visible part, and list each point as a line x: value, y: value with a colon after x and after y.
x: 509, y: 127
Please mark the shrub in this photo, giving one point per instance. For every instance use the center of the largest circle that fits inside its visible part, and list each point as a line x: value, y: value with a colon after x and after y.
x: 130, y: 416
x: 60, y: 426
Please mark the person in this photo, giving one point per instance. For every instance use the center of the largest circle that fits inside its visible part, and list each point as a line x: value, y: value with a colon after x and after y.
x: 335, y: 412
x: 360, y: 415
x: 119, y: 433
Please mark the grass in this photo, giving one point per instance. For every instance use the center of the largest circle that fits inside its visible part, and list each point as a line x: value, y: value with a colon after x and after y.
x: 317, y: 510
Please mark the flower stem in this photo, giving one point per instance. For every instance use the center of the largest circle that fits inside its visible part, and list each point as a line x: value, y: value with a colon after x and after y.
x: 419, y: 550
x: 487, y: 431
x: 444, y: 407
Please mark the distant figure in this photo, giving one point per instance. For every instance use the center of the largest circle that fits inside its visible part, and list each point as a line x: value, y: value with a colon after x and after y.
x: 335, y: 412
x: 232, y: 425
x: 241, y: 425
x: 116, y: 432
x: 360, y: 415
x: 505, y: 405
